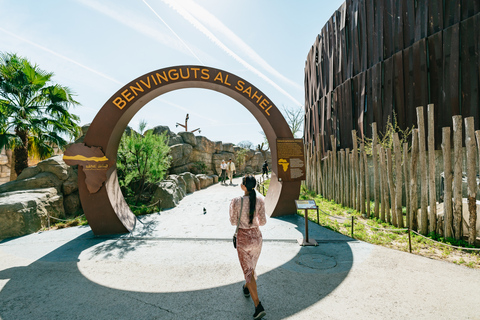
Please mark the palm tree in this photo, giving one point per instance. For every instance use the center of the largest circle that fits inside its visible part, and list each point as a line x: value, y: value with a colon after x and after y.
x: 34, y: 114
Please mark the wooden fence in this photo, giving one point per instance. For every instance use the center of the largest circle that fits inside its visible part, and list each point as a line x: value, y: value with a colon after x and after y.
x: 404, y: 174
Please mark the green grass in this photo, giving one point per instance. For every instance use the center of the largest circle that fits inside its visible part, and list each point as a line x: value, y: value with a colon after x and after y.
x: 392, y: 237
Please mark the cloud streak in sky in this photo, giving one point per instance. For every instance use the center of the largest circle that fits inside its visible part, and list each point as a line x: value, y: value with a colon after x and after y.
x: 61, y: 56
x: 197, y: 24
x: 209, y: 19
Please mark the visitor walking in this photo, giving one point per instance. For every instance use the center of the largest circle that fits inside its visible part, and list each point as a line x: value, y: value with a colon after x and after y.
x: 230, y: 169
x: 223, y: 167
x: 248, y: 211
x: 265, y: 169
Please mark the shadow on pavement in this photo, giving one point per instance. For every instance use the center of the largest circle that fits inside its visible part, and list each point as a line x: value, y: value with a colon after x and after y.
x: 53, y: 287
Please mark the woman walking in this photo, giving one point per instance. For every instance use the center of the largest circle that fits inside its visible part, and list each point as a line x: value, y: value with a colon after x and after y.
x: 249, y: 238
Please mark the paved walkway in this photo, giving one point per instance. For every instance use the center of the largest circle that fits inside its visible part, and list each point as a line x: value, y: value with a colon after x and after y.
x: 180, y: 264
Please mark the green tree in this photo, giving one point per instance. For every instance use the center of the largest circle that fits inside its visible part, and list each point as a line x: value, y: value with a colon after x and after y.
x: 34, y: 112
x: 141, y: 161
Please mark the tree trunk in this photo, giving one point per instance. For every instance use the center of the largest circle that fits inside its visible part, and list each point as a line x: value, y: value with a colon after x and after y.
x: 21, y: 152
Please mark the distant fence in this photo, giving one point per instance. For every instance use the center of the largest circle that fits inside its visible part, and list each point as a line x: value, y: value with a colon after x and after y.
x: 405, y: 174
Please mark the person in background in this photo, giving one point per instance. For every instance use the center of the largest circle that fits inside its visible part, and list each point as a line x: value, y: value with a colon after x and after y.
x: 265, y: 169
x: 223, y: 167
x: 251, y: 208
x: 230, y: 169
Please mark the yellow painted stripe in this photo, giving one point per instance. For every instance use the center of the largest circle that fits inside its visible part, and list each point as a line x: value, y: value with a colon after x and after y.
x: 83, y: 158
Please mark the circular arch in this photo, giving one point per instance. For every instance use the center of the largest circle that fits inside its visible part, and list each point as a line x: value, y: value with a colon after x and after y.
x: 106, y: 209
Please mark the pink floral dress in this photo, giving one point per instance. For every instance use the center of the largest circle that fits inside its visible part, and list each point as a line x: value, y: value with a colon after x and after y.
x: 249, y: 237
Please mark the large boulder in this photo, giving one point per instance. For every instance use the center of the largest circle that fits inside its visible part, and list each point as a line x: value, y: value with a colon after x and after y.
x: 55, y: 165
x: 180, y: 181
x: 26, y: 211
x: 173, y: 138
x: 41, y: 180
x: 180, y: 154
x: 205, y: 180
x: 204, y: 145
x: 190, y: 184
x: 188, y: 137
x: 168, y: 194
x: 228, y: 147
x: 71, y: 204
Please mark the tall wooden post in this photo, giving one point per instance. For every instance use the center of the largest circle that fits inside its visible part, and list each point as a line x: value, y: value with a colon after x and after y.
x: 334, y: 166
x: 471, y: 178
x: 362, y: 179
x: 347, y: 177
x: 385, y: 210
x: 432, y: 216
x: 376, y: 178
x: 367, y: 183
x: 423, y: 172
x: 447, y: 182
x: 457, y: 176
x: 340, y: 175
x: 391, y: 185
x: 398, y: 181
x: 356, y: 189
x: 356, y: 171
x: 406, y: 168
x: 413, y: 182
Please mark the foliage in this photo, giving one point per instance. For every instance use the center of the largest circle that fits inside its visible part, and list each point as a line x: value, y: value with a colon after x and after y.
x: 245, y: 144
x: 34, y: 112
x: 141, y: 161
x: 200, y: 167
x: 386, y: 139
x: 240, y: 157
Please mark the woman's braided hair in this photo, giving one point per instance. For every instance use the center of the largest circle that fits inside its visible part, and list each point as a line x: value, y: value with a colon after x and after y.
x: 250, y: 182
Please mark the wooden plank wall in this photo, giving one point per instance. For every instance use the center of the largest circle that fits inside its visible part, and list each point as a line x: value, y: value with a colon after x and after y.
x: 378, y: 58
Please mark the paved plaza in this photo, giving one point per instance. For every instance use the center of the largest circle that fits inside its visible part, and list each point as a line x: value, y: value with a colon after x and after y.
x: 180, y: 264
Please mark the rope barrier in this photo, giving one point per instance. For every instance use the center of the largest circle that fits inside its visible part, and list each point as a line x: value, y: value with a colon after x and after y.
x: 336, y: 217
x: 64, y: 219
x: 150, y: 205
x: 448, y: 245
x: 393, y: 230
x: 401, y: 230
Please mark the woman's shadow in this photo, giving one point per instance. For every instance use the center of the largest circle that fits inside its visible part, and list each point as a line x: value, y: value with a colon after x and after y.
x: 53, y: 287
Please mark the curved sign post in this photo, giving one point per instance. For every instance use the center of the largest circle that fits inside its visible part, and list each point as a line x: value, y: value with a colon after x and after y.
x: 103, y: 203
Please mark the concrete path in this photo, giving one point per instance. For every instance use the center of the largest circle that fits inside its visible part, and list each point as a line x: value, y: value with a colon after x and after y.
x: 180, y: 264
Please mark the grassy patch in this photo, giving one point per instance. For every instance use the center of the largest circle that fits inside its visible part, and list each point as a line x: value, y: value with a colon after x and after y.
x: 338, y: 218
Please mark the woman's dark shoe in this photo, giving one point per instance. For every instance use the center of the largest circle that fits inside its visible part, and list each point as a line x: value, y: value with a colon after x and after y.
x: 259, y: 312
x: 246, y: 292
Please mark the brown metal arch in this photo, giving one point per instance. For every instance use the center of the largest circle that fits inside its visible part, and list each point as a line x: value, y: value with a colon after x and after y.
x: 106, y: 209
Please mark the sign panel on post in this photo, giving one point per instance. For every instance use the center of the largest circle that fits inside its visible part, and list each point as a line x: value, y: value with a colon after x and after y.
x: 291, y: 160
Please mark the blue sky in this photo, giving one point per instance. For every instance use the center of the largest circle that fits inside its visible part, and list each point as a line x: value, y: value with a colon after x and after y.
x: 96, y: 47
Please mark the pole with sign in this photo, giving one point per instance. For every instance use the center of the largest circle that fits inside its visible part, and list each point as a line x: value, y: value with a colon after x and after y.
x: 306, y: 205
